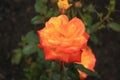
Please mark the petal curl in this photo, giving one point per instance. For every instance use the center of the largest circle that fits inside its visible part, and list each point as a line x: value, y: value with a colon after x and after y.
x: 88, y: 60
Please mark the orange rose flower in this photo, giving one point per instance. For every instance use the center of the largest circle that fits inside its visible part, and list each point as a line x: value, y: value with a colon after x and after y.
x: 62, y: 39
x: 88, y: 60
x: 63, y: 4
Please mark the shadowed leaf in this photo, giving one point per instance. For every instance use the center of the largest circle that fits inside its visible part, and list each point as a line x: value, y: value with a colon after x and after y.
x: 114, y: 26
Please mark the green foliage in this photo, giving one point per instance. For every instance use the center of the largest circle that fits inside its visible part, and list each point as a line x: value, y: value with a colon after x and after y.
x: 38, y: 19
x: 87, y: 71
x: 94, y: 38
x: 87, y: 19
x: 31, y: 38
x: 40, y: 7
x: 72, y: 73
x: 28, y: 47
x: 16, y: 58
x: 46, y: 9
x: 114, y: 26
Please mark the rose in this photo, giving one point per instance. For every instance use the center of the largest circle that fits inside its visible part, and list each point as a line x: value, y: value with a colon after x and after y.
x: 62, y: 39
x: 63, y: 4
x: 88, y: 60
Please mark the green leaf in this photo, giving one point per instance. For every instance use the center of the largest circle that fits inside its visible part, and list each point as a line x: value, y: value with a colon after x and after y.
x: 40, y: 54
x: 94, y: 26
x: 88, y: 30
x: 50, y: 13
x: 87, y: 71
x: 38, y: 19
x: 94, y: 38
x: 87, y: 19
x: 56, y: 76
x: 38, y: 4
x: 16, y: 58
x: 29, y: 49
x: 31, y: 38
x: 40, y: 7
x: 72, y: 73
x: 114, y: 26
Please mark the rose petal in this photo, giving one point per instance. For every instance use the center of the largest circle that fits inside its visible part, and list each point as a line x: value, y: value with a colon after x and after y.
x: 88, y: 60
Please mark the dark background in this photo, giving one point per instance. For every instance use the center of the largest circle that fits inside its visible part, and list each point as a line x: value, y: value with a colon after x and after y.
x: 15, y: 21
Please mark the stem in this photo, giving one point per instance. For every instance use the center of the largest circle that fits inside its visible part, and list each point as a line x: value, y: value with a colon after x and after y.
x: 102, y: 21
x: 105, y: 18
x: 62, y: 70
x: 110, y: 10
x: 62, y: 11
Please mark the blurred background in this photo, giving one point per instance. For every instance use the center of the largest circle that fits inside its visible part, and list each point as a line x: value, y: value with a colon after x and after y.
x: 15, y: 21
